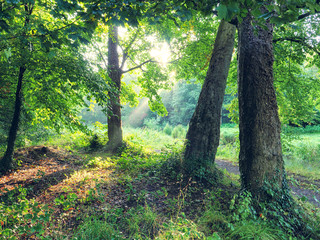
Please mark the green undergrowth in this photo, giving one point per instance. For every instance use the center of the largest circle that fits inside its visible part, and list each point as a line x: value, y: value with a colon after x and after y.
x: 140, y: 193
x: 229, y: 143
x: 154, y: 140
x: 302, y: 154
x: 300, y: 146
x: 161, y: 203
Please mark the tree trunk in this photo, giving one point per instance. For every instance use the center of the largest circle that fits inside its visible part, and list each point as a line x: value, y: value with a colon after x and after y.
x: 6, y: 161
x: 260, y: 158
x: 204, y: 127
x: 114, y: 71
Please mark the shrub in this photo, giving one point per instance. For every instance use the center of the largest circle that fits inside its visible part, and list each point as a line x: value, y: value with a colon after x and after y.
x: 20, y: 217
x: 179, y: 132
x: 151, y: 123
x: 308, y: 152
x: 167, y: 129
x: 98, y: 162
x: 302, y: 130
x: 228, y: 138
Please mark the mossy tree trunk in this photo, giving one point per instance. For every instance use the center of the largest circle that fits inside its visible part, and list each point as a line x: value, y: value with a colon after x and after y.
x: 204, y: 127
x: 114, y: 117
x: 7, y: 160
x: 260, y: 159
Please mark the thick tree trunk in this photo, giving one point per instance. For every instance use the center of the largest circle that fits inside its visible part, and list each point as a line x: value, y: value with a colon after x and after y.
x: 114, y: 119
x: 6, y: 161
x: 204, y: 127
x: 260, y: 158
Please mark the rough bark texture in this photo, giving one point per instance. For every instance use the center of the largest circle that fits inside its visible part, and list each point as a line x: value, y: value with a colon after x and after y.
x: 204, y: 127
x: 114, y: 119
x: 6, y: 161
x: 260, y: 158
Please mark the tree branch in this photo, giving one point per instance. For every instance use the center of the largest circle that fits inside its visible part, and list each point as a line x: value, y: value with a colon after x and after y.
x: 125, y: 51
x: 101, y: 55
x: 138, y: 66
x: 297, y: 40
x: 42, y: 35
x: 302, y: 16
x: 132, y: 41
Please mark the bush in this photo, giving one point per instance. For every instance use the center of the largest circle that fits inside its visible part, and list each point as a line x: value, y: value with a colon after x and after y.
x: 228, y: 138
x: 308, y: 152
x: 178, y: 132
x: 152, y: 123
x: 167, y: 129
x: 20, y: 217
x: 302, y: 130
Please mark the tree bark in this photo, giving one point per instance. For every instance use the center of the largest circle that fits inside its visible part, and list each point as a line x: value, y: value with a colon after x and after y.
x: 260, y: 159
x: 204, y: 127
x: 114, y: 71
x: 7, y: 160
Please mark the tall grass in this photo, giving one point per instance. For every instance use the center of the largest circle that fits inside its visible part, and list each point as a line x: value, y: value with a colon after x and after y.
x: 151, y: 139
x: 229, y: 143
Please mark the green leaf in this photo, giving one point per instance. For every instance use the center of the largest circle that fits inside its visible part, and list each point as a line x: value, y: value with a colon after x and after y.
x: 52, y: 54
x: 233, y: 8
x: 222, y: 11
x: 4, y: 25
x: 13, y: 1
x: 266, y: 15
x: 74, y: 36
x: 7, y: 53
x: 304, y: 199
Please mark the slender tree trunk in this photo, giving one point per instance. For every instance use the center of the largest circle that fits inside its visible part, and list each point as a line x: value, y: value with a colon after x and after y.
x: 260, y: 158
x: 6, y: 161
x: 114, y: 119
x: 204, y: 127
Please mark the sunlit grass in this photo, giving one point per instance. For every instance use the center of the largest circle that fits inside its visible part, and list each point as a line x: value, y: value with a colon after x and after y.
x: 86, y: 195
x: 311, y: 137
x: 151, y: 139
x: 229, y: 143
x: 69, y: 141
x: 303, y: 157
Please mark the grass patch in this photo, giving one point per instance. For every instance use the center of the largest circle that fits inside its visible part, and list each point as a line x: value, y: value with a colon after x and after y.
x: 153, y: 139
x: 229, y: 143
x: 142, y: 194
x: 302, y: 156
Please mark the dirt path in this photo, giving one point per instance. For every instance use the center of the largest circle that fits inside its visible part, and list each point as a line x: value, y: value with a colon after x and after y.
x: 299, y: 185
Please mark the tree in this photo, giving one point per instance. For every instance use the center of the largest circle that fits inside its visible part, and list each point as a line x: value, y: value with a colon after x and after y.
x: 297, y: 61
x: 204, y: 127
x: 33, y: 47
x: 133, y: 57
x: 6, y: 161
x: 115, y: 73
x: 260, y: 157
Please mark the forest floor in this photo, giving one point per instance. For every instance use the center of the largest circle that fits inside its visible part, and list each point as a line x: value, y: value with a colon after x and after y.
x: 61, y: 180
x: 42, y: 168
